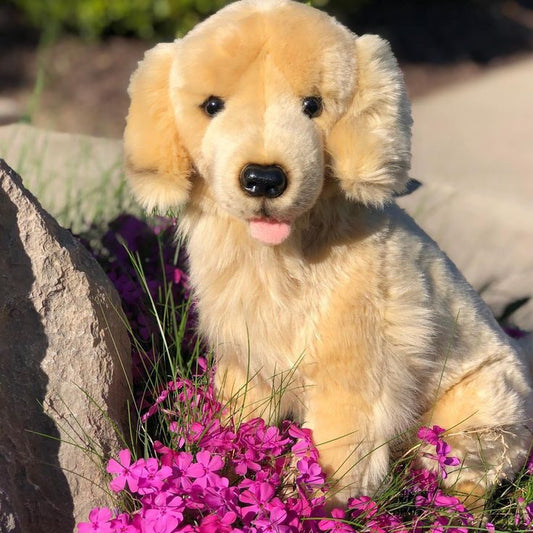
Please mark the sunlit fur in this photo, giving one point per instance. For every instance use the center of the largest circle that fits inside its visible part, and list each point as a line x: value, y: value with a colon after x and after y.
x: 358, y: 316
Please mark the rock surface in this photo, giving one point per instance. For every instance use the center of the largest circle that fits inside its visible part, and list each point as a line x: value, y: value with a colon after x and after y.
x: 64, y: 369
x: 77, y: 178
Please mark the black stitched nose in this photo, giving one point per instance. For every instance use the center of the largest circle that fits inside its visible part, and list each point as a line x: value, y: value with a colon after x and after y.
x: 263, y: 180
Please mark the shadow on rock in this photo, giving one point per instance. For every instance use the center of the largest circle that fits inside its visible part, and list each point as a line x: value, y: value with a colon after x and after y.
x: 34, y: 493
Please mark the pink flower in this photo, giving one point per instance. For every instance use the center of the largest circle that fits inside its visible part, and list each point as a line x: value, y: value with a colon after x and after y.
x: 362, y: 506
x: 336, y: 523
x: 155, y: 407
x: 304, y: 446
x: 436, y: 501
x: 221, y: 499
x: 204, y: 469
x: 432, y: 436
x: 187, y: 528
x: 273, y: 520
x: 176, y: 274
x: 529, y: 514
x: 123, y: 524
x: 255, y: 498
x: 529, y: 464
x: 310, y: 473
x: 440, y: 524
x: 183, y: 471
x: 443, y: 500
x: 167, y: 456
x: 247, y: 461
x: 151, y: 478
x: 388, y: 523
x: 164, y: 515
x: 422, y: 480
x: 271, y: 440
x: 99, y: 522
x: 125, y: 472
x: 216, y: 524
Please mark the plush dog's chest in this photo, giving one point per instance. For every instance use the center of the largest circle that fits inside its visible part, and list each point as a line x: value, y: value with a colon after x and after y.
x: 268, y: 307
x: 255, y: 313
x: 256, y: 306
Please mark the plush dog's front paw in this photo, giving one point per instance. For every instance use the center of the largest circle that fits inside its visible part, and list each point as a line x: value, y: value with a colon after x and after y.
x: 472, y: 495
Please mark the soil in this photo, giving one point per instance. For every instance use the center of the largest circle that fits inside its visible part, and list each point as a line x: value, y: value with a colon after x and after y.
x: 76, y: 86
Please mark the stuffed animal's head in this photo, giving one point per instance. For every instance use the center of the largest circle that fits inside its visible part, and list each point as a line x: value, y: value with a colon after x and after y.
x: 264, y: 102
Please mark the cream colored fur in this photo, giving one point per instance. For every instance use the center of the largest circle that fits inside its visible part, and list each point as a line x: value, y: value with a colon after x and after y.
x: 358, y: 315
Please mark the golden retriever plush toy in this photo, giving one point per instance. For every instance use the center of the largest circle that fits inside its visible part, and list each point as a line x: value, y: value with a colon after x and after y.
x: 283, y: 137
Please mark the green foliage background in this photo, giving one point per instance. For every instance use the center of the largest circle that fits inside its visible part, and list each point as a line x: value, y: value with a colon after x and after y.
x: 148, y: 19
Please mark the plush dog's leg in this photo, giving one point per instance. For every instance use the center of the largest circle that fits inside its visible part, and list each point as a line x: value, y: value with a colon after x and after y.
x: 246, y: 394
x: 487, y: 415
x: 351, y: 416
x: 353, y: 456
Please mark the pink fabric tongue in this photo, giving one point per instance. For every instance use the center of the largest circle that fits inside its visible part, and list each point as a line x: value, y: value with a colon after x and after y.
x: 269, y: 231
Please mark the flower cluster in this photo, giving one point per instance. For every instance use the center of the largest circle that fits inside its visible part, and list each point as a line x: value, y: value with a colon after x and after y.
x: 148, y: 270
x: 437, y: 509
x: 216, y: 476
x: 246, y: 478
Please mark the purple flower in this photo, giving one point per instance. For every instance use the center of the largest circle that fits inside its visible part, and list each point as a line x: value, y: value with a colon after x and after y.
x: 273, y: 520
x: 442, y: 449
x: 387, y: 523
x: 160, y: 267
x: 274, y: 482
x: 181, y: 470
x: 431, y: 436
x: 422, y: 480
x: 304, y: 446
x: 363, y: 506
x: 221, y: 499
x: 155, y: 406
x: 443, y: 500
x: 247, y: 461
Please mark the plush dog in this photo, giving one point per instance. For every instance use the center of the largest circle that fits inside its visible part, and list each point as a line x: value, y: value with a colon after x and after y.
x: 283, y: 137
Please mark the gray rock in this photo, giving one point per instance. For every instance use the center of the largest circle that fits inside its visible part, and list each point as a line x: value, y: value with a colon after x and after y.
x: 78, y: 179
x: 64, y: 369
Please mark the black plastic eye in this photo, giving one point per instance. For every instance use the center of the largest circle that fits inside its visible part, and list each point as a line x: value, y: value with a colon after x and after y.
x: 212, y: 106
x: 312, y: 106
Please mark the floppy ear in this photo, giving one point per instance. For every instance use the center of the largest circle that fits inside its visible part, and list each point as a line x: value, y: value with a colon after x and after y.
x: 370, y: 145
x: 157, y: 164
